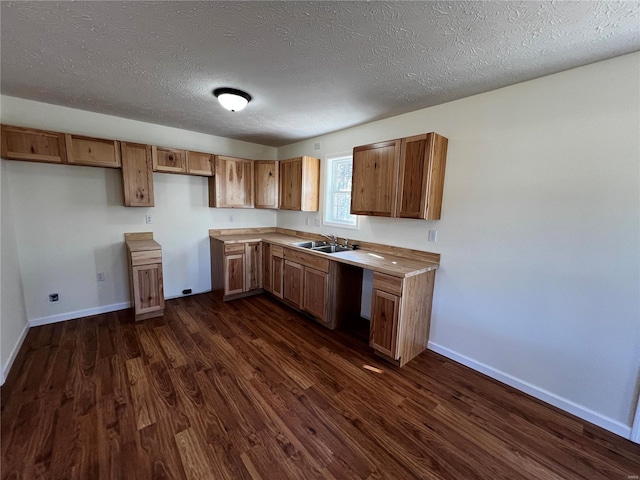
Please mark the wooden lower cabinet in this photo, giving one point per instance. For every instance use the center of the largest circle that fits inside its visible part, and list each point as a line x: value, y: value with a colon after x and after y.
x: 145, y: 275
x: 401, y: 315
x: 252, y: 266
x: 234, y: 271
x: 236, y: 268
x: 315, y: 293
x: 266, y: 266
x: 277, y: 276
x: 293, y: 283
x: 383, y: 333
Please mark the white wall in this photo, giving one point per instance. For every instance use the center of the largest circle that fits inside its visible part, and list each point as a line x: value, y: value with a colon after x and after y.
x: 539, y: 281
x: 69, y: 221
x: 13, y: 318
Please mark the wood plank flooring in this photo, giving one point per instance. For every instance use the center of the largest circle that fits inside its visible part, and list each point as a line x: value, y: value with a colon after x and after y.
x: 252, y: 390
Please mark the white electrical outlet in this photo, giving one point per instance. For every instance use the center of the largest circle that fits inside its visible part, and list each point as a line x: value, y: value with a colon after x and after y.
x: 317, y: 222
x: 148, y: 219
x: 230, y: 218
x: 100, y: 276
x: 307, y: 220
x: 316, y: 146
x: 433, y: 236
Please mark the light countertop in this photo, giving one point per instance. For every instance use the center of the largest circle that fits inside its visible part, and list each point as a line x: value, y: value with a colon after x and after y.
x: 395, y: 265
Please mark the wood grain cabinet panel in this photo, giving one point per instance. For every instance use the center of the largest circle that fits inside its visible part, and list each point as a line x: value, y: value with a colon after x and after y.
x: 293, y: 283
x: 266, y: 266
x: 266, y: 183
x: 253, y: 266
x: 400, y: 178
x: 375, y: 178
x: 277, y: 276
x: 421, y: 178
x: 232, y: 184
x: 147, y: 289
x: 199, y: 163
x: 137, y: 175
x: 33, y: 145
x: 93, y: 152
x: 315, y: 293
x: 383, y: 332
x: 234, y: 270
x: 300, y: 184
x: 169, y: 160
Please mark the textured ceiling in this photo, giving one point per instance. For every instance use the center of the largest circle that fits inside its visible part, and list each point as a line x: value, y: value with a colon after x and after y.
x: 311, y: 67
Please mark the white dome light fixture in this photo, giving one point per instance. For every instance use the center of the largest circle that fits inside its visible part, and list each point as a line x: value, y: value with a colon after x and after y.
x: 232, y: 99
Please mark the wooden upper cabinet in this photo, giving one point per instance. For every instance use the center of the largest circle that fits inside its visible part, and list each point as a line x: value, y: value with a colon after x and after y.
x: 232, y: 184
x: 300, y: 184
x: 169, y: 160
x: 93, y: 152
x: 137, y: 175
x: 266, y: 183
x: 33, y: 145
x: 375, y: 178
x: 199, y: 163
x: 400, y: 178
x: 421, y: 180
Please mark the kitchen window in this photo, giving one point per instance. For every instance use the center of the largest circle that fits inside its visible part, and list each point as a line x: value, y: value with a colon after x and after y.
x: 337, y: 205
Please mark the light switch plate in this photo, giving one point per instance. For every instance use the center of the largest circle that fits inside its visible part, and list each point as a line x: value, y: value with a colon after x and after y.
x: 433, y: 236
x: 148, y: 219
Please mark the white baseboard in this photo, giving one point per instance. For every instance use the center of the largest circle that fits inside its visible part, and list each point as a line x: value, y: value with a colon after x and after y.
x: 61, y: 317
x: 584, y: 413
x: 14, y: 353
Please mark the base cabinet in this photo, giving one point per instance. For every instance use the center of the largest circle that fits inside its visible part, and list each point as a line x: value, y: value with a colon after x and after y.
x: 236, y: 268
x: 277, y: 272
x: 383, y: 333
x: 293, y: 283
x: 315, y: 293
x: 234, y: 274
x: 145, y: 275
x: 401, y: 315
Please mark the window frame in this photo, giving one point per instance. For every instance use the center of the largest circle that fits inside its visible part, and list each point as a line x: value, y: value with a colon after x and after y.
x: 327, y: 217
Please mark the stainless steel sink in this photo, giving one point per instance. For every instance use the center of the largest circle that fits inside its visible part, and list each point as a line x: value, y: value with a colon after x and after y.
x: 311, y: 244
x: 331, y: 249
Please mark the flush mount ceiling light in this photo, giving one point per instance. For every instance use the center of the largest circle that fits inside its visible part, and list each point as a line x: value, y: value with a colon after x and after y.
x: 232, y: 99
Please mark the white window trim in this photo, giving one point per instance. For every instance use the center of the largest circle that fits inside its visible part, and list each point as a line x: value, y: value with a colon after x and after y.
x: 327, y: 191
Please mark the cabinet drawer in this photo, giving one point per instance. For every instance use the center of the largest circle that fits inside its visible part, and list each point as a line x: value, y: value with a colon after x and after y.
x: 313, y: 261
x: 233, y: 248
x: 387, y: 283
x: 277, y: 251
x: 146, y: 258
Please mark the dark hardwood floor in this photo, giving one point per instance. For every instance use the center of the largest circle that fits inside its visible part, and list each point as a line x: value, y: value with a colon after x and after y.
x: 250, y: 389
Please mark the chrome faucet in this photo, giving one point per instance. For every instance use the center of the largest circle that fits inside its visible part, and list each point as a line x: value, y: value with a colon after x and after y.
x: 332, y: 237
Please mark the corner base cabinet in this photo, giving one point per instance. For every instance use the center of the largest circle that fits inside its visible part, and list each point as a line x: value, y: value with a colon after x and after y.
x: 144, y: 256
x: 236, y: 268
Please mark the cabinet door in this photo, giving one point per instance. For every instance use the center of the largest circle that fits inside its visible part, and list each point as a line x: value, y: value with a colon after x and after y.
x: 300, y: 184
x: 266, y: 183
x: 199, y: 163
x: 34, y: 145
x: 148, y: 293
x: 384, y: 322
x: 232, y: 185
x: 266, y: 266
x: 253, y: 266
x: 412, y: 183
x: 315, y: 296
x: 170, y: 160
x: 293, y: 283
x: 291, y: 184
x: 137, y: 175
x: 233, y: 274
x: 93, y: 152
x: 277, y: 276
x: 375, y: 178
